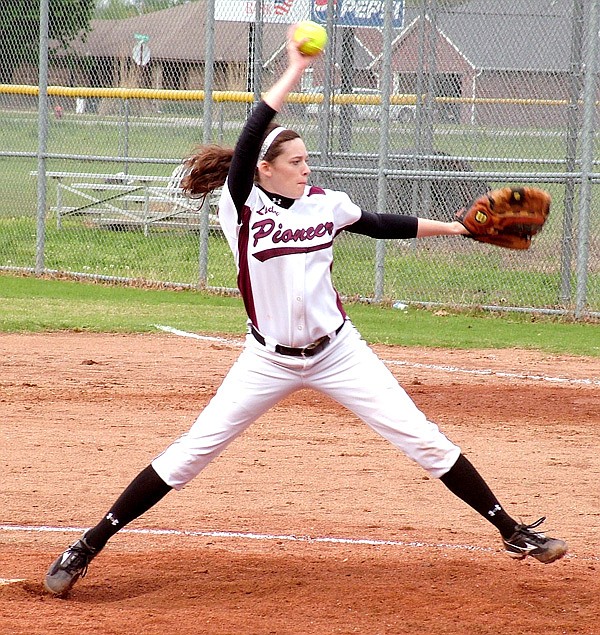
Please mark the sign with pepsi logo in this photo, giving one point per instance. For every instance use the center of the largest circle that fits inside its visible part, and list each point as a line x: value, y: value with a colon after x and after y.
x: 365, y: 13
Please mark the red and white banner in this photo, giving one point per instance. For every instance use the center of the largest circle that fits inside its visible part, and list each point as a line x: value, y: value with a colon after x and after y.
x: 282, y: 11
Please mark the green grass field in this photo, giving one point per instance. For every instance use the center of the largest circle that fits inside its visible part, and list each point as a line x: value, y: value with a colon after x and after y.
x: 38, y: 305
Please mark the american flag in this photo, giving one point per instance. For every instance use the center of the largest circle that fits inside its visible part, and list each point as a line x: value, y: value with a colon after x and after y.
x: 282, y: 7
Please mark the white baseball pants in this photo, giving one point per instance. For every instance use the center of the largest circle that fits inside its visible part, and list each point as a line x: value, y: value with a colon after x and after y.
x: 347, y: 370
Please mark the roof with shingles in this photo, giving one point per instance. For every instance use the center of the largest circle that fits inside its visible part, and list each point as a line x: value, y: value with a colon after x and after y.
x: 489, y: 34
x: 512, y: 34
x: 177, y: 33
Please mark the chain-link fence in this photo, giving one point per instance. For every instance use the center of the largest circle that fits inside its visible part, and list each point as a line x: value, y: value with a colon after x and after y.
x: 413, y: 108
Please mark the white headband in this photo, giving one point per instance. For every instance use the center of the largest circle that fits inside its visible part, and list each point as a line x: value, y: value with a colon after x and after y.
x: 268, y: 142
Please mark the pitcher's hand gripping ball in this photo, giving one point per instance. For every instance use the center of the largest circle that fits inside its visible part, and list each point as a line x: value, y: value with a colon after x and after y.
x: 507, y: 217
x: 314, y: 36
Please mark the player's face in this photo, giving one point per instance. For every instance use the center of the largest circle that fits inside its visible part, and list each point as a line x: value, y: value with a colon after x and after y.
x: 288, y: 173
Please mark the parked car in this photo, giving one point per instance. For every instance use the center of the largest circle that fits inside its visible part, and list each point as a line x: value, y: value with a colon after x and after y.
x: 398, y: 112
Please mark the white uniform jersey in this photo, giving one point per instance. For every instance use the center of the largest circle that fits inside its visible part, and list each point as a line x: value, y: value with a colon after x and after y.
x: 284, y: 259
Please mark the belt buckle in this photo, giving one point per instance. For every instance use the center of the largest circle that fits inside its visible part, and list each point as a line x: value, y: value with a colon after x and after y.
x: 306, y: 351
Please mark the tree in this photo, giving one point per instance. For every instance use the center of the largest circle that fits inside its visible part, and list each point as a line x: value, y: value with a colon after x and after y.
x: 119, y: 9
x: 115, y: 9
x: 20, y: 27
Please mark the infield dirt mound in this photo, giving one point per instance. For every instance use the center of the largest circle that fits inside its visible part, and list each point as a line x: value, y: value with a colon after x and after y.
x: 83, y: 413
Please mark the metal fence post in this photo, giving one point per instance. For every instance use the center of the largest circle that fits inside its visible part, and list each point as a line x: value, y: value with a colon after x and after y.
x: 386, y: 89
x: 257, y: 57
x: 42, y: 140
x: 587, y: 158
x: 572, y: 138
x: 324, y: 119
x: 209, y: 60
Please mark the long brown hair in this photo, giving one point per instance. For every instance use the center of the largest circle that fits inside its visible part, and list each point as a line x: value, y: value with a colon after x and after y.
x: 207, y: 169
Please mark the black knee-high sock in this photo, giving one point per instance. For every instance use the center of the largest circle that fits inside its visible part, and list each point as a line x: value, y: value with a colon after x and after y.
x: 464, y: 481
x: 146, y: 489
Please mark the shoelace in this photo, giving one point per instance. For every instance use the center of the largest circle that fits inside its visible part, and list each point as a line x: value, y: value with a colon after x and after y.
x: 533, y: 525
x: 534, y: 536
x: 80, y: 559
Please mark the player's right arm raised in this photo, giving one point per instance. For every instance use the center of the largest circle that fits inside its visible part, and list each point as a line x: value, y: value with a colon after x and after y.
x: 297, y: 64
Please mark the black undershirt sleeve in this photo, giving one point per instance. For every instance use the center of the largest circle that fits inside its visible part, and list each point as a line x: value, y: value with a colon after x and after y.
x: 385, y: 225
x: 245, y: 156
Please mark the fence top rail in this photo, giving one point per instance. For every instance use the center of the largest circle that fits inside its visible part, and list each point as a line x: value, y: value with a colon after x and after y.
x: 127, y: 179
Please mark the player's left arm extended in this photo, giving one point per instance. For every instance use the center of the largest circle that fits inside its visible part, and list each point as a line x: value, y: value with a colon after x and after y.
x: 398, y: 226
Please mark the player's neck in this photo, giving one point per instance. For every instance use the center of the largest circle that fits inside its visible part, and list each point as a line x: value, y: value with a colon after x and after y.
x: 278, y: 199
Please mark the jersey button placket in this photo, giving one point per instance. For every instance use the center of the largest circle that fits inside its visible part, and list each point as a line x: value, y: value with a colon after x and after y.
x: 297, y: 293
x: 299, y: 310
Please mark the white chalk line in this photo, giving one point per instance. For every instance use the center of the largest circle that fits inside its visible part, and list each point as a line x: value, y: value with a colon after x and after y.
x: 446, y: 369
x: 243, y: 535
x: 496, y: 373
x: 195, y: 336
x: 7, y: 581
x: 249, y: 535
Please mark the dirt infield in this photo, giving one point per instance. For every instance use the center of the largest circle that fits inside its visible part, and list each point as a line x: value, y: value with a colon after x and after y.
x: 309, y: 524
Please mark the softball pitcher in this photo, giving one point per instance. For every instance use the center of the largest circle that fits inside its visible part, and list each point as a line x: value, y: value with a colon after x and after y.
x: 281, y: 231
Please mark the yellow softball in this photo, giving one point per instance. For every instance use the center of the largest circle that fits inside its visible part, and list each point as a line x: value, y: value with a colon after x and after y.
x: 314, y: 36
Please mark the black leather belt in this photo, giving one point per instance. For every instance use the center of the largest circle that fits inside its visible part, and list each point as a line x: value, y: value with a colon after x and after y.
x: 307, y: 351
